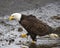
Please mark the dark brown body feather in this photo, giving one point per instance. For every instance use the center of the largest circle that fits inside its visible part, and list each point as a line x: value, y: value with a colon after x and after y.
x: 35, y: 26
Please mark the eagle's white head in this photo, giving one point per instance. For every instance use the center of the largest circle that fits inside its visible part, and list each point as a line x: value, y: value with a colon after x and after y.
x: 16, y: 16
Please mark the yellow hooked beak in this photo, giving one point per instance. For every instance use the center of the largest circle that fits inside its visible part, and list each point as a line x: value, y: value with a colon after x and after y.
x: 11, y: 18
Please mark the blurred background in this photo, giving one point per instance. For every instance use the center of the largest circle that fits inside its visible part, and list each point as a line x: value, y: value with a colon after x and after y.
x: 10, y: 6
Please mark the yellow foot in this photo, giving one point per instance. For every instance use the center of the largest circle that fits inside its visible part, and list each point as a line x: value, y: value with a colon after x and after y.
x: 34, y: 42
x: 23, y: 35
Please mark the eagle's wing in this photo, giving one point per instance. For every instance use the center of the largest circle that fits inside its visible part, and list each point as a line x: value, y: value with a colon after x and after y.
x: 38, y: 27
x: 35, y: 26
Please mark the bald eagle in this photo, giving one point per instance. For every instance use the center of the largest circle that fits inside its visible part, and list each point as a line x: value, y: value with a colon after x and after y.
x: 33, y: 26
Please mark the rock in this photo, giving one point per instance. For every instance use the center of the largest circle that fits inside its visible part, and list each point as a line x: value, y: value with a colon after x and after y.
x: 1, y: 40
x: 54, y: 36
x: 2, y: 44
x: 2, y: 22
x: 20, y: 29
x: 22, y: 46
x: 0, y: 33
x: 11, y: 41
x: 56, y: 17
x: 12, y: 28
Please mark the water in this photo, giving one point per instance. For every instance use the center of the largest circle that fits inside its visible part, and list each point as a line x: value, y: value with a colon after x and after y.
x: 10, y: 36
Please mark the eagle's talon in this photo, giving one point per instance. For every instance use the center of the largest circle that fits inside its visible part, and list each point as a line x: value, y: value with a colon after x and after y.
x: 33, y: 41
x: 23, y: 35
